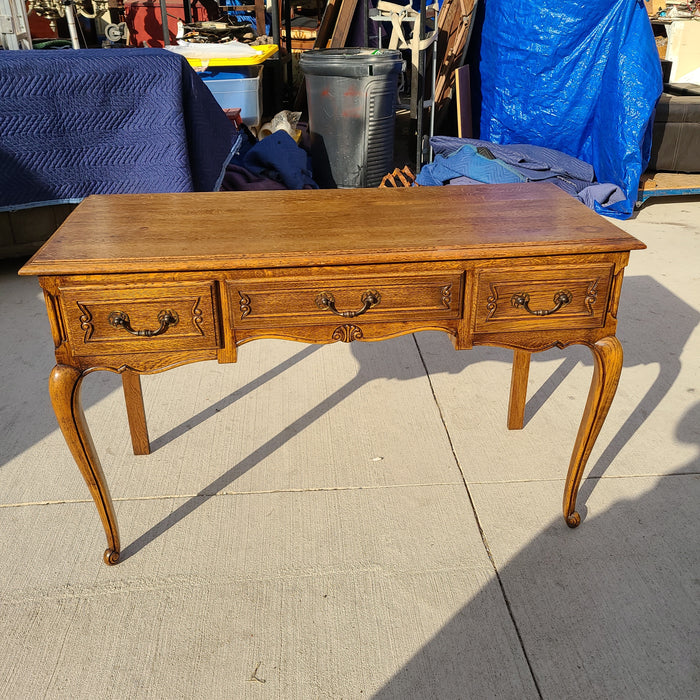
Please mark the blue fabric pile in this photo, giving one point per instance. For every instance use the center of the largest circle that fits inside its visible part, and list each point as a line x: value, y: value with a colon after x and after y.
x: 274, y: 163
x: 473, y: 161
x: 74, y: 123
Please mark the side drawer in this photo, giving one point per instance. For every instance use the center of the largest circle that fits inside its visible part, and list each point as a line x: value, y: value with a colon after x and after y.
x: 140, y: 318
x: 537, y: 298
x: 323, y: 299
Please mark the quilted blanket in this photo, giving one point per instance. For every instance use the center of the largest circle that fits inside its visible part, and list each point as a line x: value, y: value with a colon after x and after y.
x: 103, y: 121
x: 461, y: 161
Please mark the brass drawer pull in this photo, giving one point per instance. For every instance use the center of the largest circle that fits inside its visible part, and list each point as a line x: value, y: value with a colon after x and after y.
x: 522, y: 299
x: 370, y: 298
x: 120, y: 319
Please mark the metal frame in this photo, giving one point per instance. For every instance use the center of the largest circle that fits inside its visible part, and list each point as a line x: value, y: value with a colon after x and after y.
x: 14, y: 25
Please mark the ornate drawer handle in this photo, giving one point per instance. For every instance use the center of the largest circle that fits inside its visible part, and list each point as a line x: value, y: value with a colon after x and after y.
x: 561, y: 298
x: 120, y: 319
x: 370, y: 298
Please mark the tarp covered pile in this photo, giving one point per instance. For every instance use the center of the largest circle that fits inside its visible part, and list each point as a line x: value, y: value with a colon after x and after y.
x: 577, y: 76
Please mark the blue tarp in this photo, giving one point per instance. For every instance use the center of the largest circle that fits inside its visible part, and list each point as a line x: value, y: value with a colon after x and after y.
x: 577, y: 76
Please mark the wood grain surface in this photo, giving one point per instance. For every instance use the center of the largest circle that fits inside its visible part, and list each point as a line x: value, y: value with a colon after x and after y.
x: 225, y: 230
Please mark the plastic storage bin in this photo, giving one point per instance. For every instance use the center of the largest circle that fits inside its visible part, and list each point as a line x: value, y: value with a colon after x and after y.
x: 235, y: 88
x: 352, y: 98
x: 224, y: 64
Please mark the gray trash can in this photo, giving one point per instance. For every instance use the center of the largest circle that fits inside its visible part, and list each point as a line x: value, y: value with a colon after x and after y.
x: 352, y: 98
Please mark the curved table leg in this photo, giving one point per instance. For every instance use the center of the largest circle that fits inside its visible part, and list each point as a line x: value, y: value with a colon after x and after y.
x: 64, y: 387
x: 607, y: 355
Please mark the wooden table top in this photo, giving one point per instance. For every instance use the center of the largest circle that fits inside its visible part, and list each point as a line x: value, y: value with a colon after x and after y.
x: 223, y: 230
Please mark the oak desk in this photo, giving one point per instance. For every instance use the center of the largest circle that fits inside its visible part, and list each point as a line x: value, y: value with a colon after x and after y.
x: 141, y: 283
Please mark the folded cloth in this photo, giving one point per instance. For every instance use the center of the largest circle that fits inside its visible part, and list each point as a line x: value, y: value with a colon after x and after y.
x: 96, y: 121
x: 238, y: 178
x: 467, y: 162
x: 278, y: 158
x: 535, y: 163
x: 602, y: 193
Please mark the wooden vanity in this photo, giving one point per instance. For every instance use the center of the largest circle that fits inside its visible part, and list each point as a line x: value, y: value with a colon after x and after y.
x: 137, y: 284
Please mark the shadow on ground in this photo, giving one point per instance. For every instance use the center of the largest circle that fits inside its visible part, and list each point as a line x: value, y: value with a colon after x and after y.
x: 605, y: 611
x: 648, y: 338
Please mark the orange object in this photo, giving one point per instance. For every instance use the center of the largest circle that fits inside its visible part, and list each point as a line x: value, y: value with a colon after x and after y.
x: 399, y: 178
x: 234, y: 116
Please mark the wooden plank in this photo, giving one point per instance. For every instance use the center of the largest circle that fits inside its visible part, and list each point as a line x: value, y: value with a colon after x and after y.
x: 668, y: 185
x: 325, y: 29
x: 342, y: 24
x: 463, y: 102
x: 454, y: 22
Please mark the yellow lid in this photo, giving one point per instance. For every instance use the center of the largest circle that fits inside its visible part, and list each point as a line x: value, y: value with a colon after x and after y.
x: 264, y: 51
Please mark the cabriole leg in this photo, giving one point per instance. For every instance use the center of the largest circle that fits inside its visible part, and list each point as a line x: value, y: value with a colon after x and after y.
x: 607, y: 355
x: 64, y: 387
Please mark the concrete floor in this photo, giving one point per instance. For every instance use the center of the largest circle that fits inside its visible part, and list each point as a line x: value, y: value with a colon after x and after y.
x: 355, y: 521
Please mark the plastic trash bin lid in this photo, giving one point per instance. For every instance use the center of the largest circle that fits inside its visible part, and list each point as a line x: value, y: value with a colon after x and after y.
x: 351, y: 62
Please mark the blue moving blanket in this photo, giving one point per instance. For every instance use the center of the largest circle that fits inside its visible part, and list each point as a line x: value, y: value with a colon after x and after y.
x: 103, y: 121
x: 461, y: 161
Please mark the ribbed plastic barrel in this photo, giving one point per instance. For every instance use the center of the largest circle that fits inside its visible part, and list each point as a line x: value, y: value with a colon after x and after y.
x: 352, y: 98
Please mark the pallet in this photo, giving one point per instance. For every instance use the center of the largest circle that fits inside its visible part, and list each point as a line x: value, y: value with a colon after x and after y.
x: 667, y: 185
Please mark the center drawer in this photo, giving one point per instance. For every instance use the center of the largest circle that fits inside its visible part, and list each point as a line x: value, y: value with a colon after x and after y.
x: 324, y: 299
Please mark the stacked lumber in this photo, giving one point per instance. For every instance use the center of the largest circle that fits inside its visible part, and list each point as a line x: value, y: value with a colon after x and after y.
x: 335, y: 24
x: 455, y: 24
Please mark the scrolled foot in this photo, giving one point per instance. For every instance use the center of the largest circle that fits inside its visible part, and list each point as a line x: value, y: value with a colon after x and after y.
x: 111, y: 557
x: 573, y: 520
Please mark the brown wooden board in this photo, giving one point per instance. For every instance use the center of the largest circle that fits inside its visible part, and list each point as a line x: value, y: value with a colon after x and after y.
x: 325, y: 30
x: 463, y: 102
x: 342, y: 24
x: 454, y: 26
x: 668, y: 185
